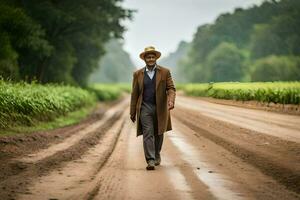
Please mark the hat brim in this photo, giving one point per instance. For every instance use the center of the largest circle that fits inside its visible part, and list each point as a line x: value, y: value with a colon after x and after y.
x: 157, y: 54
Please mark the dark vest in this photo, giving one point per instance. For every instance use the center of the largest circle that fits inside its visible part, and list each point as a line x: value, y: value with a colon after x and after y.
x: 149, y: 95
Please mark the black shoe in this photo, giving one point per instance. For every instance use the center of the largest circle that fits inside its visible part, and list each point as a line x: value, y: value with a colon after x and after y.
x: 157, y: 161
x: 151, y: 165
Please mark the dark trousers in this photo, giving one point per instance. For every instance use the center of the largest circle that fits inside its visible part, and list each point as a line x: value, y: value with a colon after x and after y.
x: 152, y: 142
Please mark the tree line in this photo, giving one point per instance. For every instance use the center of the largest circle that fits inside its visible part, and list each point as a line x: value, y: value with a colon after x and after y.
x: 56, y: 41
x: 115, y: 66
x: 260, y: 43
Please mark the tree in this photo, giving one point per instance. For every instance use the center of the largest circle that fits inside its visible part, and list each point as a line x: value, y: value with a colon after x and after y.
x: 18, y: 34
x: 83, y: 27
x: 63, y: 39
x: 225, y: 63
x: 260, y: 31
x: 114, y: 66
x: 280, y: 37
x: 276, y: 68
x: 173, y: 61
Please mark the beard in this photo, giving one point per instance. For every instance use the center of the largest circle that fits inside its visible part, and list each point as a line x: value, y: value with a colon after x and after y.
x: 151, y: 65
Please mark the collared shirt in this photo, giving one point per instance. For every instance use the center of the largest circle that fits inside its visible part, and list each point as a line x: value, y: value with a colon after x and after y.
x: 151, y: 72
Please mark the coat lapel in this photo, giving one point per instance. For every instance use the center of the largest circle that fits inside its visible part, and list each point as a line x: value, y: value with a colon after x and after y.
x: 158, y: 77
x: 141, y: 80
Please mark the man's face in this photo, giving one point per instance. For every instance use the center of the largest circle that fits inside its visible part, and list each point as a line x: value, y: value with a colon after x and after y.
x: 150, y: 59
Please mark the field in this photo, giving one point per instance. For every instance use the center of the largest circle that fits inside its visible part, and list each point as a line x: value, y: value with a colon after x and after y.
x: 275, y: 92
x: 24, y: 104
x: 109, y: 92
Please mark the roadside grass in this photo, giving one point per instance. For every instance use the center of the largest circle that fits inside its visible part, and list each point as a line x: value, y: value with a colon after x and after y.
x: 62, y: 121
x: 24, y: 104
x: 109, y: 91
x: 267, y: 92
x: 31, y: 107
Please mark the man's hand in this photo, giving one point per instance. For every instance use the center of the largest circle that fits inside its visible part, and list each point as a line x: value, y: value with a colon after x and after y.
x: 132, y: 117
x: 170, y: 105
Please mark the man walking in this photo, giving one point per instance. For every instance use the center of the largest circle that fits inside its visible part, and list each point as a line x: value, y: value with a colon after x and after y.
x: 152, y: 98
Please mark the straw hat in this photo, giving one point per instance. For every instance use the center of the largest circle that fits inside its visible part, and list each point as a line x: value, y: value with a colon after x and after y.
x: 150, y: 49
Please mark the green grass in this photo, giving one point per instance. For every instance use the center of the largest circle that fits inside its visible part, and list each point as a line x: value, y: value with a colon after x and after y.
x: 26, y: 108
x: 109, y: 92
x: 24, y: 104
x: 276, y: 92
x: 69, y: 119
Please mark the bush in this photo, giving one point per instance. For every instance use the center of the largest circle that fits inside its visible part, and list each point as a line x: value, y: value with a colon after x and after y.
x: 276, y: 68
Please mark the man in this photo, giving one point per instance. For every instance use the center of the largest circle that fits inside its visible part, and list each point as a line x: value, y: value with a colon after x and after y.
x: 152, y: 98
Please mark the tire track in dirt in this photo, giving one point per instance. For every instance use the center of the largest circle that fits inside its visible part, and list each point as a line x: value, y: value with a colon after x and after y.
x: 13, y: 147
x: 273, y: 156
x: 111, y: 179
x: 221, y: 170
x: 18, y: 183
x: 283, y: 126
x: 202, y: 158
x: 192, y: 168
x: 76, y: 179
x: 124, y: 175
x: 67, y: 143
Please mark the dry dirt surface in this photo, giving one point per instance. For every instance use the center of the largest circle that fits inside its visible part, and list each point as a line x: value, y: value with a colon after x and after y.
x: 213, y: 152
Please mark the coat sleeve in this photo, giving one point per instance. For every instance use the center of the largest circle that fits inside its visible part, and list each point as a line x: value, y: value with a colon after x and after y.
x: 134, y: 95
x: 171, y: 90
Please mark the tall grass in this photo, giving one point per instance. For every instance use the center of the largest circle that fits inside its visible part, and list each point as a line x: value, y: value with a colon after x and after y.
x: 109, y: 92
x: 276, y: 92
x: 24, y: 104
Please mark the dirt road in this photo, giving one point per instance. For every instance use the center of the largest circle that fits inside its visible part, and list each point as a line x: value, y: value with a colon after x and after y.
x: 213, y: 152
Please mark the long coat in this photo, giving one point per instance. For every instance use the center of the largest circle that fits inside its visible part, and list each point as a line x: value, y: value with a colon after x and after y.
x: 165, y: 91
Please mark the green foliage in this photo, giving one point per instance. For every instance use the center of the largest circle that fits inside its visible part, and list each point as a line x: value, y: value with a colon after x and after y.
x: 273, y: 28
x: 225, y: 63
x: 174, y: 60
x: 115, y: 66
x: 203, y: 43
x: 196, y: 89
x: 109, y: 92
x: 276, y: 68
x: 56, y: 41
x: 62, y: 121
x: 18, y: 33
x: 23, y: 103
x: 276, y: 92
x: 279, y: 37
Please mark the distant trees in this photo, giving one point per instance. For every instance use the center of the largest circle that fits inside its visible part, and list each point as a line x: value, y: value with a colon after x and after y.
x: 236, y: 46
x: 56, y: 41
x: 172, y: 60
x: 279, y: 37
x: 115, y: 66
x: 225, y: 63
x: 273, y: 68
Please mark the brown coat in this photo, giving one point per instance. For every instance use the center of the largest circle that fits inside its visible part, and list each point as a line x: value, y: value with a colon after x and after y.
x: 165, y: 91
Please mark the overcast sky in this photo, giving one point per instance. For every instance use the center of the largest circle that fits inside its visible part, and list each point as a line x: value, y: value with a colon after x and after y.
x: 164, y: 23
